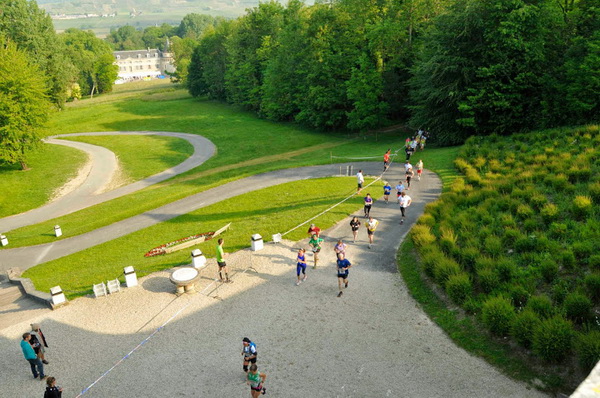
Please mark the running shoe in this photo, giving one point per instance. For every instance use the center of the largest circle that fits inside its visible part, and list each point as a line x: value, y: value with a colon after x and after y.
x: 305, y: 276
x: 340, y: 294
x: 298, y: 283
x: 264, y: 391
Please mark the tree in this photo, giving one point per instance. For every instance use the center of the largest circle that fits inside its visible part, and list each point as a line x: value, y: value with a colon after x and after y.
x: 208, y: 63
x: 32, y: 30
x: 193, y: 25
x: 182, y: 54
x: 125, y: 38
x: 157, y: 36
x: 24, y: 104
x: 365, y: 89
x: 93, y: 58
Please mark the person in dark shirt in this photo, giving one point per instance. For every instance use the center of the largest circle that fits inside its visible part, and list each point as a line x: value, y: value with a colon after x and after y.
x: 52, y: 390
x: 342, y: 272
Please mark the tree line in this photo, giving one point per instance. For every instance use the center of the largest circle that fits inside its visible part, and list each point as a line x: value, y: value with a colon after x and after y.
x: 455, y: 67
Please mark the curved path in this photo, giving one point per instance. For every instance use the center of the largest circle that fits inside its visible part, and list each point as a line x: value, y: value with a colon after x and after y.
x: 103, y: 165
x: 26, y: 257
x: 374, y: 341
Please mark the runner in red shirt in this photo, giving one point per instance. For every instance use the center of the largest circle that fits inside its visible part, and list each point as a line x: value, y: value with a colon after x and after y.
x: 314, y: 230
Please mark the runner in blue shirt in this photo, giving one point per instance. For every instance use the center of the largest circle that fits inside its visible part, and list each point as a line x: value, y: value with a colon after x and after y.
x: 301, y: 265
x: 342, y: 272
x: 387, y: 189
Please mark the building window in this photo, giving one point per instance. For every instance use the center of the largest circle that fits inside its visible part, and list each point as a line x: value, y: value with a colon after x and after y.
x: 157, y: 66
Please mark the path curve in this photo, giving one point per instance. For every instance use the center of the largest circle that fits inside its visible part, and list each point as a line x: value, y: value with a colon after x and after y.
x: 27, y: 257
x: 104, y: 164
x: 310, y: 341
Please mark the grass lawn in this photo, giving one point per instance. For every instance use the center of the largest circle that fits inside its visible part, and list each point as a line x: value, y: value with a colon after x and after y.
x: 142, y: 156
x: 287, y: 205
x: 246, y: 146
x: 50, y: 167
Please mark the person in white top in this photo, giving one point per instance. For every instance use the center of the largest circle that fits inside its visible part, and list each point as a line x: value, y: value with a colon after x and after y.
x: 404, y: 201
x: 419, y: 169
x: 371, y: 227
x: 407, y: 166
x: 360, y: 180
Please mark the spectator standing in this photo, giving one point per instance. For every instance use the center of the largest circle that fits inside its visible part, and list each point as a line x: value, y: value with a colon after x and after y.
x: 38, y: 341
x: 52, y: 390
x: 221, y: 262
x: 37, y: 367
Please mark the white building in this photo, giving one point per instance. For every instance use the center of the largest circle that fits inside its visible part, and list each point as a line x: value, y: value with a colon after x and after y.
x: 139, y: 64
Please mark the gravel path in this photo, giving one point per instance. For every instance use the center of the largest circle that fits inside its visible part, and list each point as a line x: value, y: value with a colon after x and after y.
x: 374, y: 341
x: 103, y: 166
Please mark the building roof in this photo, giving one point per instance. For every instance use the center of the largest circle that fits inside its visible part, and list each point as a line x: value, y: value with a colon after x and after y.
x: 135, y: 53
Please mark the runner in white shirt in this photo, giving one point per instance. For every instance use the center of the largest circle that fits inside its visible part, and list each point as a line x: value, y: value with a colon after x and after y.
x: 371, y: 227
x: 360, y: 180
x: 404, y: 201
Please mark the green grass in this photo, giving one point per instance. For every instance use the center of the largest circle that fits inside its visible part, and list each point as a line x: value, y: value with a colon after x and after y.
x: 464, y: 331
x: 267, y: 211
x: 142, y: 156
x: 50, y: 167
x: 246, y: 146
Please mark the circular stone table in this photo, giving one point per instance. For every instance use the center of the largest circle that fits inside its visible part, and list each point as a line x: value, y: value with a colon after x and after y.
x: 185, y: 279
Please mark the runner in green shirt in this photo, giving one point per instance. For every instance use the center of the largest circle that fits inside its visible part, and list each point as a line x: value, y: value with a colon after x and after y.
x: 256, y: 380
x: 221, y: 262
x: 315, y: 243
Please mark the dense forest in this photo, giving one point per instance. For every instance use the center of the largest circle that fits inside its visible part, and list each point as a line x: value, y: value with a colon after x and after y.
x: 457, y: 68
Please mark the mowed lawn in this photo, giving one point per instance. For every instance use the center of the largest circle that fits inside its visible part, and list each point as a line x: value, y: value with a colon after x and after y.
x: 287, y: 205
x: 245, y: 144
x: 50, y: 167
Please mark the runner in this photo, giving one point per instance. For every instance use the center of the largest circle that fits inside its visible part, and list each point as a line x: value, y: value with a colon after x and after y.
x: 340, y: 248
x: 355, y: 224
x: 409, y: 174
x: 301, y: 265
x: 342, y: 272
x: 255, y: 381
x: 407, y: 166
x: 315, y: 243
x: 404, y: 201
x: 368, y: 204
x: 386, y: 160
x: 387, y: 189
x: 360, y: 180
x: 248, y: 352
x: 371, y: 227
x: 399, y: 189
x: 419, y: 169
x: 221, y: 262
x: 314, y: 230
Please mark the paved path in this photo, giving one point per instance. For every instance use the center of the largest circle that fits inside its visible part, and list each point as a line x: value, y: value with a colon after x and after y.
x: 103, y: 165
x: 26, y: 257
x: 374, y: 341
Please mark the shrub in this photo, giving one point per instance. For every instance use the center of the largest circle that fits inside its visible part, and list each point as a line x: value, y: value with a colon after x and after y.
x: 532, y: 224
x: 444, y: 268
x: 549, y: 270
x: 497, y: 314
x: 582, y: 206
x: 523, y: 327
x: 447, y: 240
x: 558, y: 230
x: 459, y: 287
x: 592, y: 285
x: 594, y: 261
x: 493, y: 245
x: 537, y: 200
x: 577, y: 307
x: 541, y: 305
x: 560, y: 289
x: 422, y: 235
x: 430, y: 259
x: 594, y: 190
x: 568, y: 259
x: 472, y: 305
x: 560, y: 182
x: 506, y: 269
x: 579, y: 173
x: 488, y: 279
x: 518, y: 295
x: 427, y: 220
x: 553, y: 339
x: 524, y: 211
x: 524, y: 244
x: 468, y: 256
x: 582, y: 250
x: 510, y: 236
x: 588, y: 349
x: 549, y: 211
